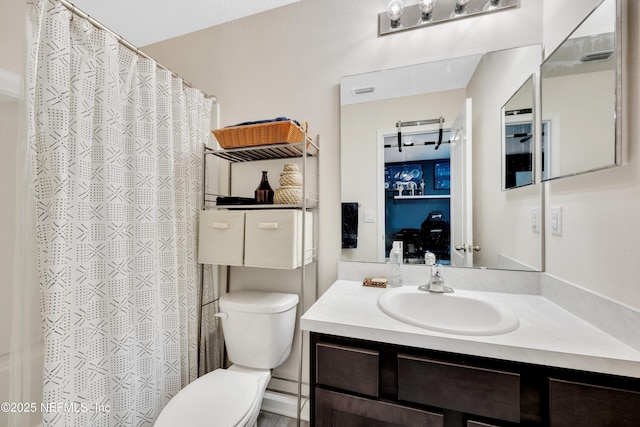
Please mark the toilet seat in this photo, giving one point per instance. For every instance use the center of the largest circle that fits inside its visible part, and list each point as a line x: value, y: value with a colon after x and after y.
x: 222, y: 398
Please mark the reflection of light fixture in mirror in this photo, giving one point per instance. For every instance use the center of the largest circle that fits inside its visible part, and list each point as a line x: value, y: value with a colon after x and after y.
x: 461, y: 7
x: 424, y: 13
x: 596, y: 56
x: 394, y: 12
x: 363, y: 90
x: 426, y: 9
x: 491, y: 4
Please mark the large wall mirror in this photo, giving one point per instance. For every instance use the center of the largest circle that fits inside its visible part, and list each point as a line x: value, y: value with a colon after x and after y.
x: 581, y: 97
x: 421, y: 150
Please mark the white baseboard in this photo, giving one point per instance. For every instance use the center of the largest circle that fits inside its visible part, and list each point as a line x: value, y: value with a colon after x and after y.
x: 284, y: 404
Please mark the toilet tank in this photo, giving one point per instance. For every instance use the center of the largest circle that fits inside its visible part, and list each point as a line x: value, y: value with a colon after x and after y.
x: 258, y: 327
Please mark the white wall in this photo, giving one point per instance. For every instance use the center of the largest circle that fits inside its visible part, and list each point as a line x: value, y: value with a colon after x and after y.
x: 576, y: 126
x: 599, y: 247
x: 12, y: 23
x: 12, y: 28
x: 8, y: 133
x: 289, y: 61
x: 9, y: 122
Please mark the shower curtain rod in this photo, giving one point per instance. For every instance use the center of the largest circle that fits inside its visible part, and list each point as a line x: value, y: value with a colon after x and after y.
x: 74, y: 10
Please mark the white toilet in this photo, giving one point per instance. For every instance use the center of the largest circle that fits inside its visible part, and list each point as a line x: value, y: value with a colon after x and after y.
x: 258, y: 331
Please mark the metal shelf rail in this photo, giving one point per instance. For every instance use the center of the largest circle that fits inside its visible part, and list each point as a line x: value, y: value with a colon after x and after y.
x: 304, y: 150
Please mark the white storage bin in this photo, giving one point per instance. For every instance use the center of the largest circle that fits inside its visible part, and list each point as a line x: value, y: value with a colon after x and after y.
x: 273, y: 238
x: 221, y: 237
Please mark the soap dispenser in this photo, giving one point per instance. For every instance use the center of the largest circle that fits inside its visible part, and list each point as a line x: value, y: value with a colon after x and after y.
x: 396, y: 259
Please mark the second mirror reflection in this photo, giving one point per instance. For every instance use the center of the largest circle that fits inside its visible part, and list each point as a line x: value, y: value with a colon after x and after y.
x: 518, y: 140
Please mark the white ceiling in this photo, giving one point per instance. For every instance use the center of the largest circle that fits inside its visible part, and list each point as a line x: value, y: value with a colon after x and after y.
x: 143, y: 22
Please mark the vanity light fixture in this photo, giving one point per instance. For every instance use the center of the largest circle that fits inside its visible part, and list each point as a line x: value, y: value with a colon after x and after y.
x: 398, y: 17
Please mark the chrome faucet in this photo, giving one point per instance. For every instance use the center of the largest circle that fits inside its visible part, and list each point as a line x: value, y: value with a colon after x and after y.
x: 436, y: 284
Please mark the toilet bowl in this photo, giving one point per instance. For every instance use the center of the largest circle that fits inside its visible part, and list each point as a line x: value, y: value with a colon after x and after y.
x: 222, y: 398
x: 258, y: 330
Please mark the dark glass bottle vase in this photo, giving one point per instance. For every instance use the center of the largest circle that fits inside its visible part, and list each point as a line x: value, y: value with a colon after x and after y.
x: 264, y: 192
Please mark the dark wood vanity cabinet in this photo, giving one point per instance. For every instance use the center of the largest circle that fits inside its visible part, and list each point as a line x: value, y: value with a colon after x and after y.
x: 365, y: 383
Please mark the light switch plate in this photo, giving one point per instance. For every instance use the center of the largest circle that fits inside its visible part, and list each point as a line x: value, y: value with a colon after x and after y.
x: 556, y: 220
x: 369, y: 216
x: 535, y: 220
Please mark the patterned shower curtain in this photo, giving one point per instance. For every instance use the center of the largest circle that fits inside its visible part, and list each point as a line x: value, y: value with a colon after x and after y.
x: 115, y: 145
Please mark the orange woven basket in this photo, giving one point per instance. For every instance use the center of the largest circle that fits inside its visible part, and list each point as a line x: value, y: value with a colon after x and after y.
x: 278, y: 132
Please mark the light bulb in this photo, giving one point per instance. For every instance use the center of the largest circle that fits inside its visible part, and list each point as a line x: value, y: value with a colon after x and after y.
x: 461, y: 5
x: 394, y: 12
x: 426, y: 7
x: 491, y: 4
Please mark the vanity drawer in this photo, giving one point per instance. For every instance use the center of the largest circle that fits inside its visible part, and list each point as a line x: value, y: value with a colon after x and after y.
x: 574, y: 404
x: 338, y: 410
x: 347, y: 368
x: 484, y: 392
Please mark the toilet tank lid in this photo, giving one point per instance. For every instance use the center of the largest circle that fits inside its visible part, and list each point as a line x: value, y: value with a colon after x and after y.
x: 258, y: 302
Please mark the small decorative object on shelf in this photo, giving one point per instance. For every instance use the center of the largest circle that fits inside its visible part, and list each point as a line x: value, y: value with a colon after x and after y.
x: 290, y: 191
x: 291, y: 176
x: 264, y: 192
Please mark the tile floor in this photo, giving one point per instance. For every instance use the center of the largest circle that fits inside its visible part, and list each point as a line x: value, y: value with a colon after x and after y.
x: 267, y: 419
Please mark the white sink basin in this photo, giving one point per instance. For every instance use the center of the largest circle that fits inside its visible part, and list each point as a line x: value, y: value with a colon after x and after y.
x: 461, y: 312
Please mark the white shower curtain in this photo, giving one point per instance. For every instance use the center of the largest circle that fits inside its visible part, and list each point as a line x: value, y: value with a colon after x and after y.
x: 115, y: 150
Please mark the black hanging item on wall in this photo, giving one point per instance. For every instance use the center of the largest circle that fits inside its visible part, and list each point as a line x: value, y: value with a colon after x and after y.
x: 264, y: 192
x: 400, y: 124
x: 349, y: 225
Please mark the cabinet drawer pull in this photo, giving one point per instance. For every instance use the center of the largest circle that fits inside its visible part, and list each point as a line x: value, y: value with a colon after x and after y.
x: 268, y: 225
x: 220, y: 225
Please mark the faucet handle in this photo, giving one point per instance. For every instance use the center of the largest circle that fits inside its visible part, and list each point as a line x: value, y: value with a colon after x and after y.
x: 429, y: 258
x: 436, y: 284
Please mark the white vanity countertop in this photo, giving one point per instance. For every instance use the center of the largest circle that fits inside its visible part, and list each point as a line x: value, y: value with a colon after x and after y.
x: 547, y: 335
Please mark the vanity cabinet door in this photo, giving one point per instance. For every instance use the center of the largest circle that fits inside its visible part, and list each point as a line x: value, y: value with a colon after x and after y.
x: 342, y: 410
x: 577, y: 404
x: 478, y: 391
x: 347, y: 368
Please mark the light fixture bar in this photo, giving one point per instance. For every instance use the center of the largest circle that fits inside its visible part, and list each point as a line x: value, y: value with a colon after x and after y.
x: 443, y: 11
